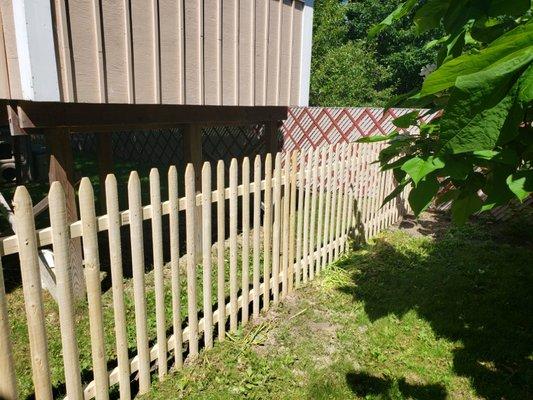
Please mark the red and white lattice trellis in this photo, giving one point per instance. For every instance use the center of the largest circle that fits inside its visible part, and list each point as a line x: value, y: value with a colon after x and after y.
x: 313, y: 126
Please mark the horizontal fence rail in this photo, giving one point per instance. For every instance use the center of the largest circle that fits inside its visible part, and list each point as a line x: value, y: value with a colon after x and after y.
x: 235, y: 249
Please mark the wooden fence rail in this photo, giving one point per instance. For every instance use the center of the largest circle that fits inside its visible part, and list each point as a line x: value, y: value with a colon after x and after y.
x: 289, y: 216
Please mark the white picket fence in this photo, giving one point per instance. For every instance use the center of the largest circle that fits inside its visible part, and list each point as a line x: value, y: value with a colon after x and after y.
x: 297, y: 213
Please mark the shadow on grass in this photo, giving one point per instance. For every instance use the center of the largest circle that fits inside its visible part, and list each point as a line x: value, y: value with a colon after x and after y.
x: 474, y: 286
x: 363, y: 384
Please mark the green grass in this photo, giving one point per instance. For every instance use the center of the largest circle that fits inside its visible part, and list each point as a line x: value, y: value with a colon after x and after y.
x: 403, y: 318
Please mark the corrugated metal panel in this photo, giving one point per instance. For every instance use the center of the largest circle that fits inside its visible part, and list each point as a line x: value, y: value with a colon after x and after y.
x: 215, y: 52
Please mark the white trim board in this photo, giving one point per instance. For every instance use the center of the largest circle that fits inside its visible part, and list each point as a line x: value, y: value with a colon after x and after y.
x: 305, y: 59
x: 35, y: 47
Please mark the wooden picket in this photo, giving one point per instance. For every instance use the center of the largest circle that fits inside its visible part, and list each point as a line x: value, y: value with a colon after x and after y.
x: 290, y: 219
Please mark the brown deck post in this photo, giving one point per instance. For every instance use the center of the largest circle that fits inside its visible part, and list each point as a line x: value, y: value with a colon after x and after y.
x: 271, y: 137
x: 192, y: 153
x: 62, y: 170
x: 104, y: 148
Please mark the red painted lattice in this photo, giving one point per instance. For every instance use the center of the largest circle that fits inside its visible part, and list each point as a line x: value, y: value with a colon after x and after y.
x: 313, y: 126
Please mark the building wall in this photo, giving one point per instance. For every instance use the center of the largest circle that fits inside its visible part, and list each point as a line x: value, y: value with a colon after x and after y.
x: 216, y: 52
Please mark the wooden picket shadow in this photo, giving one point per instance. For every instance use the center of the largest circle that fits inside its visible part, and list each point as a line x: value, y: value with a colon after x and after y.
x: 313, y: 203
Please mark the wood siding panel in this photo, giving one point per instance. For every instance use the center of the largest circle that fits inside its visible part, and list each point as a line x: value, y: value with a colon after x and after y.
x: 4, y: 75
x: 144, y: 51
x: 193, y: 52
x: 285, y: 69
x: 8, y: 24
x: 246, y: 53
x: 83, y: 34
x: 171, y: 45
x: 229, y: 52
x: 273, y: 53
x: 296, y: 52
x: 260, y: 54
x: 115, y: 42
x: 212, y: 51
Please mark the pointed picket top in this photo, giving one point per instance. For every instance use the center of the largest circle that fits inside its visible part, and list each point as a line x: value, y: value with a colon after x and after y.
x: 154, y: 174
x: 189, y: 175
x: 206, y: 171
x: 133, y: 180
x: 22, y: 199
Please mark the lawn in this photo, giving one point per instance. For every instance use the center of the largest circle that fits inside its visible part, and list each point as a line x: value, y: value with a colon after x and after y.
x: 427, y: 311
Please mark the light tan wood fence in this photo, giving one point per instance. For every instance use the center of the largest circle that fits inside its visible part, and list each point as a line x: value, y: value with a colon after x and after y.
x: 289, y: 217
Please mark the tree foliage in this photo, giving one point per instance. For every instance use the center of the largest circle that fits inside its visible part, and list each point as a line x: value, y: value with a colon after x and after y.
x: 479, y: 153
x: 387, y: 64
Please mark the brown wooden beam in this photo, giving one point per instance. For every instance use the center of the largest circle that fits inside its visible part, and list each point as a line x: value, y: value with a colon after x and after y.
x: 104, y: 149
x: 271, y: 136
x: 101, y: 117
x: 62, y: 170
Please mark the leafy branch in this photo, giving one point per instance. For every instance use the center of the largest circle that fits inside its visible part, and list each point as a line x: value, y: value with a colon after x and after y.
x: 478, y: 153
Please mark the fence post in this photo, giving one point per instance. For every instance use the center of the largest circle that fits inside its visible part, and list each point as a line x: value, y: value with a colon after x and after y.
x: 319, y: 233
x: 300, y: 212
x: 245, y: 254
x: 286, y: 223
x: 206, y: 250
x: 221, y: 241
x: 307, y: 210
x: 8, y: 381
x: 233, y: 215
x: 292, y: 219
x: 257, y: 228
x: 31, y: 286
x: 65, y: 300
x: 276, y: 229
x: 190, y: 215
x: 159, y: 285
x: 267, y: 232
x: 173, y: 197
x: 94, y: 292
x: 117, y: 282
x: 139, y: 291
x: 312, y: 232
x: 327, y: 211
x: 334, y: 189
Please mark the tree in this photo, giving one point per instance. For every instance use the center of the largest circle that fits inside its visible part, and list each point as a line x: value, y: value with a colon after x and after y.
x: 344, y: 72
x: 349, y: 75
x: 399, y: 48
x: 479, y: 153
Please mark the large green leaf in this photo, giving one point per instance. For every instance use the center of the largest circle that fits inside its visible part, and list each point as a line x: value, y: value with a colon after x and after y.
x: 513, y: 8
x: 417, y: 168
x: 422, y: 194
x: 406, y: 120
x: 464, y: 206
x: 402, y: 10
x: 521, y: 184
x: 525, y: 86
x: 479, y: 108
x: 515, y: 44
x: 377, y: 138
x: 397, y: 190
x: 430, y: 14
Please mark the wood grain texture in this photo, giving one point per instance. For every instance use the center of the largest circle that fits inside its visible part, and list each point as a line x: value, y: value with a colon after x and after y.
x: 212, y: 51
x: 65, y: 297
x: 139, y: 290
x: 190, y: 215
x: 206, y: 255
x: 230, y: 56
x: 221, y: 240
x: 173, y: 196
x: 159, y: 284
x: 246, y: 52
x: 117, y: 285
x: 31, y: 287
x: 233, y: 217
x: 94, y: 291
